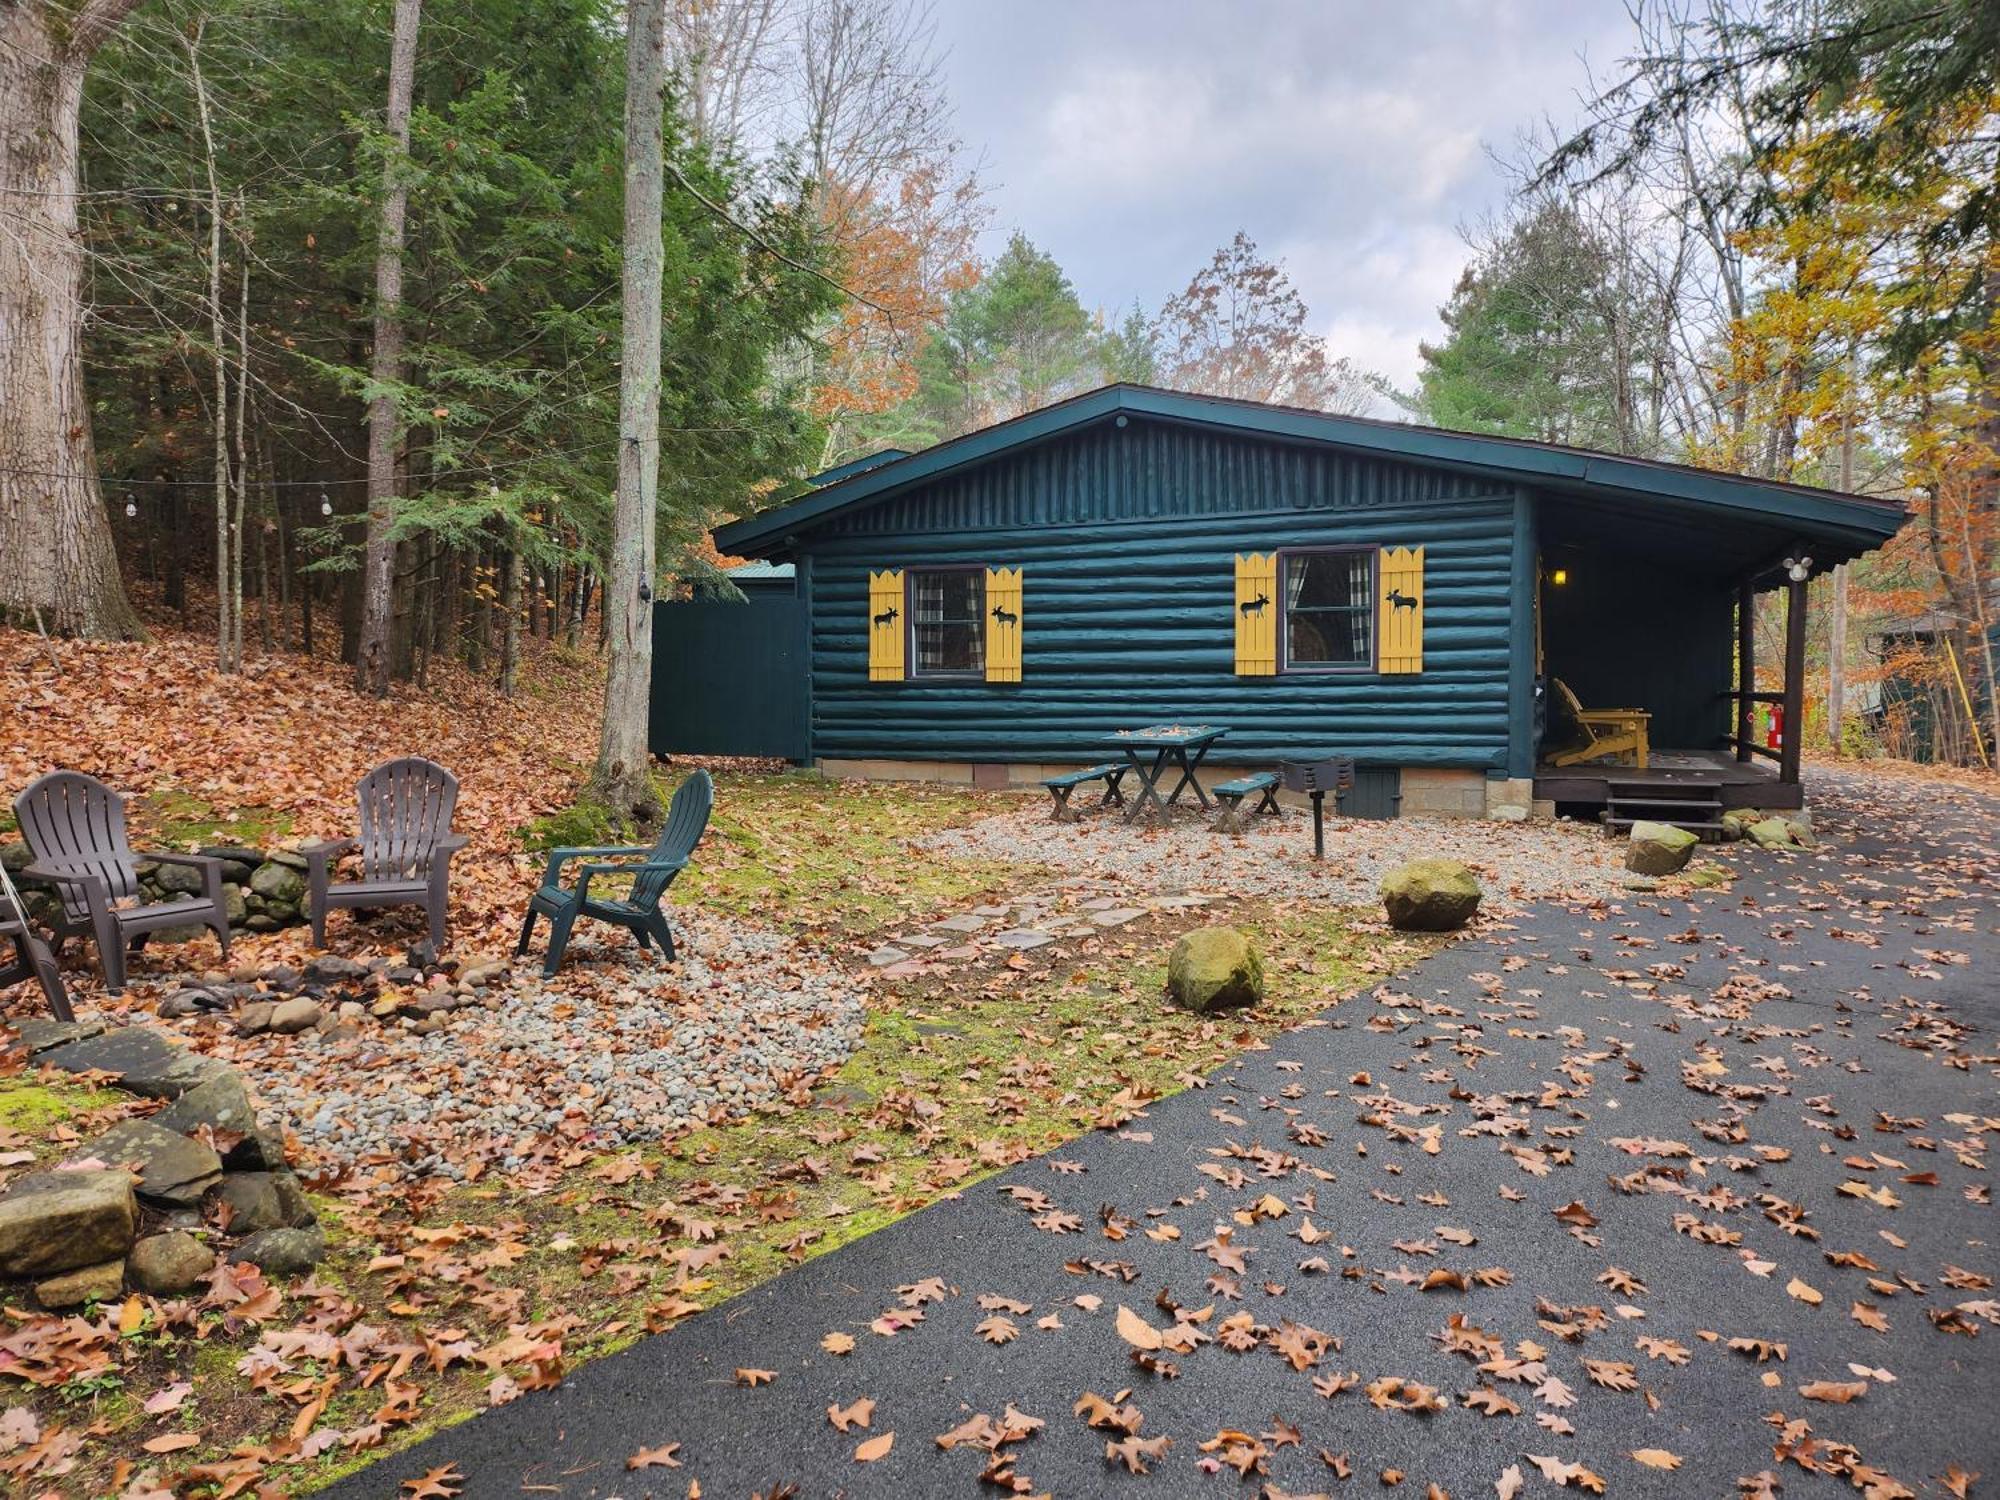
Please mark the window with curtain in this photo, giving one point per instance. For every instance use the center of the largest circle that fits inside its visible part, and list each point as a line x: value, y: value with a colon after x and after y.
x: 948, y: 622
x: 1329, y: 611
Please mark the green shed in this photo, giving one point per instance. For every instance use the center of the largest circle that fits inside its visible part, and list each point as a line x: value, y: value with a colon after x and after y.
x: 1432, y: 603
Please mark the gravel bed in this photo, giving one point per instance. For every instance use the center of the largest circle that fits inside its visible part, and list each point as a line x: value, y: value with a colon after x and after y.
x: 1516, y: 862
x: 608, y: 1053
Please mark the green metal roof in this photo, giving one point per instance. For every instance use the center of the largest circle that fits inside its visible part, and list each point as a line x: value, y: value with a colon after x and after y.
x: 1843, y: 525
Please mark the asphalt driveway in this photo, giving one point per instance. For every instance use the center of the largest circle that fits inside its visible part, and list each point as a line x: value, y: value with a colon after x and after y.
x: 1707, y: 1180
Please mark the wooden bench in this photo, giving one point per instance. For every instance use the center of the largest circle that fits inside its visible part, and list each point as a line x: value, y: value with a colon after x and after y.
x: 1110, y: 774
x: 1231, y: 794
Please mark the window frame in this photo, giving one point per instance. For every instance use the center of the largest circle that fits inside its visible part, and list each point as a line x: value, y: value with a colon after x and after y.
x: 1371, y: 612
x: 911, y: 670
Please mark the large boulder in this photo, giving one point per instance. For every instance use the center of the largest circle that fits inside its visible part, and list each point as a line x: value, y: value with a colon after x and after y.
x: 1781, y: 831
x: 1430, y: 895
x: 1659, y: 849
x: 1214, y: 968
x: 142, y: 1060
x: 222, y: 1104
x: 56, y: 1221
x: 165, y: 1265
x: 174, y: 1170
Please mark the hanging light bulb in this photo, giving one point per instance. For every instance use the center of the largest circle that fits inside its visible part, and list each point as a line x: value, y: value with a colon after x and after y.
x: 131, y: 506
x: 325, y: 505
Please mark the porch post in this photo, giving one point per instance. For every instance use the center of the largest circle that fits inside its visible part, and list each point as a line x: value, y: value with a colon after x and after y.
x: 1795, y: 683
x: 1746, y: 667
x: 1522, y: 583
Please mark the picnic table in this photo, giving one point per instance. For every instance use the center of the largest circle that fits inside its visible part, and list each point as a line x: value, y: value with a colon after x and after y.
x: 1155, y: 750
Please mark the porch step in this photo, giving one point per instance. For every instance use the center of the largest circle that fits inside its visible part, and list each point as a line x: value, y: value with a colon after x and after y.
x: 1616, y: 825
x: 1693, y: 805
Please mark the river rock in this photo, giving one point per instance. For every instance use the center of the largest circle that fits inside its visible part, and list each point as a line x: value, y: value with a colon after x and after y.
x: 263, y: 1200
x: 1430, y: 895
x: 99, y: 1283
x: 331, y: 968
x: 279, y: 885
x: 1214, y: 968
x: 282, y: 1252
x: 289, y: 1017
x: 165, y: 1265
x: 57, y: 1221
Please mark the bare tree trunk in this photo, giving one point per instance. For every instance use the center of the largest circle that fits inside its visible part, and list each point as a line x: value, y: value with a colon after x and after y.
x: 510, y: 624
x: 56, y: 553
x: 579, y: 594
x: 621, y: 780
x: 242, y: 464
x: 371, y: 662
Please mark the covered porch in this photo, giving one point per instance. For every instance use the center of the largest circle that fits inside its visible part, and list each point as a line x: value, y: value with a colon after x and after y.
x: 1646, y: 621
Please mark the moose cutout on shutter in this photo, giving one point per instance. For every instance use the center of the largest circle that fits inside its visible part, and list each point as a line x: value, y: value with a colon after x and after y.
x: 885, y: 626
x: 1256, y: 614
x: 1003, y: 624
x: 1401, y: 625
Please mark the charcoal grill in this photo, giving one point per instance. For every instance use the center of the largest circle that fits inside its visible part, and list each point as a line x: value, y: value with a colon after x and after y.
x: 1330, y: 773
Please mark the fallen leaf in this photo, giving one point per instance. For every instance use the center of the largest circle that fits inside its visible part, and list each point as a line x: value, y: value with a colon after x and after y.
x: 874, y: 1448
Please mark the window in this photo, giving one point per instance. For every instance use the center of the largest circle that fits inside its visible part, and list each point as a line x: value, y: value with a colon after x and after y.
x: 1329, y: 611
x: 948, y: 622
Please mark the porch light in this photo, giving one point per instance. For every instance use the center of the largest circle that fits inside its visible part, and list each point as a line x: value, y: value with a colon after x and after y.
x: 1798, y: 569
x: 1559, y: 577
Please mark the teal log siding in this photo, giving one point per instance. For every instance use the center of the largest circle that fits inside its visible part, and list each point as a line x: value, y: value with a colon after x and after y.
x: 1127, y: 537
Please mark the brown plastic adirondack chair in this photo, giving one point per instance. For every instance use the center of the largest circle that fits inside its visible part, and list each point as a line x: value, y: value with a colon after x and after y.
x: 32, y: 959
x: 406, y: 845
x: 75, y: 827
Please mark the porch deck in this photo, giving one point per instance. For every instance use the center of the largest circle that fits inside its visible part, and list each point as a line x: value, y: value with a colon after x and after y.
x: 1737, y: 783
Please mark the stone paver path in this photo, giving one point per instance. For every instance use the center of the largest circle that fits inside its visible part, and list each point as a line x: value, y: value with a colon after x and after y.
x: 1654, y: 1196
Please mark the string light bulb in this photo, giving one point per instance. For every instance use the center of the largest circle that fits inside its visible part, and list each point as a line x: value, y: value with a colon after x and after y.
x: 131, y: 506
x: 325, y: 505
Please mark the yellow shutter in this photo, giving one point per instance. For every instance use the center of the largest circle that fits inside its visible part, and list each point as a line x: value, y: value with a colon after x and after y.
x: 1256, y: 614
x: 1402, y: 585
x: 885, y: 626
x: 1003, y: 624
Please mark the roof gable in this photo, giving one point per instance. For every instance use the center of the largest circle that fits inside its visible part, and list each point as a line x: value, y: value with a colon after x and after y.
x: 1840, y: 522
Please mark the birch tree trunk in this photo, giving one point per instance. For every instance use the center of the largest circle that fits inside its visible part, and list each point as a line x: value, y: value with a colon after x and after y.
x: 225, y: 630
x: 371, y: 660
x: 56, y: 555
x: 621, y: 780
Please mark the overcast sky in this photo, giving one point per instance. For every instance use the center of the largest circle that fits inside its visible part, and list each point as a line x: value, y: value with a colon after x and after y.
x: 1131, y: 138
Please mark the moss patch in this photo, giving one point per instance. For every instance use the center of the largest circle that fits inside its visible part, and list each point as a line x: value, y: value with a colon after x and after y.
x: 34, y: 1109
x: 814, y: 855
x: 180, y: 819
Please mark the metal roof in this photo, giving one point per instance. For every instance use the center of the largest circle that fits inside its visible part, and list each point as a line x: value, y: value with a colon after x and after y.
x: 1848, y: 524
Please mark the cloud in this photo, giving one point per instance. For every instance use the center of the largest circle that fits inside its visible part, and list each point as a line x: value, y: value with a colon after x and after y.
x: 1131, y: 140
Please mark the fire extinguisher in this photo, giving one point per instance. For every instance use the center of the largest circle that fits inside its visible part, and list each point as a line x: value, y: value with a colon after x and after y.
x: 1775, y: 740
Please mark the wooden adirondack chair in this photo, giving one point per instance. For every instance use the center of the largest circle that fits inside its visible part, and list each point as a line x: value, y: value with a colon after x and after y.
x: 75, y: 827
x: 406, y: 845
x: 639, y: 911
x: 1607, y: 731
x: 32, y: 959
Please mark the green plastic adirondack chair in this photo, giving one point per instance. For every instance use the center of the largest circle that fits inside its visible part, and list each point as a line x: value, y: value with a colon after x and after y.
x: 639, y: 910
